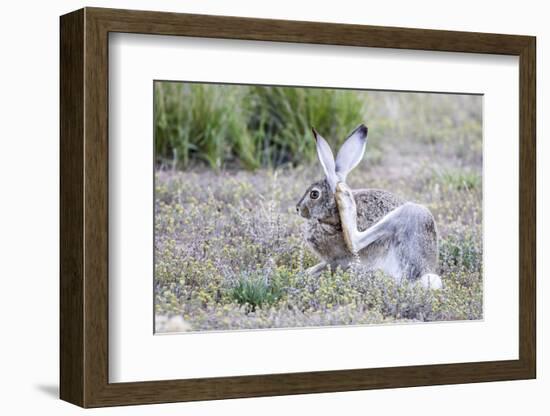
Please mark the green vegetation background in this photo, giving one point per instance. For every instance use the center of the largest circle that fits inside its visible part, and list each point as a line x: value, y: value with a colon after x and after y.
x: 232, y: 161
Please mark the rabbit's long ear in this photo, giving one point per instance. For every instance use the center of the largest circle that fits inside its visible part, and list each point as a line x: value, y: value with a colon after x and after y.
x: 351, y: 152
x: 326, y: 158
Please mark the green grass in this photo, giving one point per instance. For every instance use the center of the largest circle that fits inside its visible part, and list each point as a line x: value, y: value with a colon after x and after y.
x: 201, y: 122
x: 460, y: 179
x: 248, y: 126
x: 234, y: 126
x: 255, y: 292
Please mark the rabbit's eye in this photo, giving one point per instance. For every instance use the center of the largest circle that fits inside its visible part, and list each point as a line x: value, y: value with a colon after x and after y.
x: 314, y: 194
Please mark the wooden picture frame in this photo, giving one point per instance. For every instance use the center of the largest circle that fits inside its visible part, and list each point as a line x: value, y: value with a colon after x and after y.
x: 84, y: 207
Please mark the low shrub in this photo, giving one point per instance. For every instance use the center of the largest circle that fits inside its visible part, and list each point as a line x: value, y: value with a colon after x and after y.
x: 255, y: 291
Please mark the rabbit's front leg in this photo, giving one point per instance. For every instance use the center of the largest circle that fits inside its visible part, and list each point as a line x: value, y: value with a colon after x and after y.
x: 317, y: 269
x: 357, y: 240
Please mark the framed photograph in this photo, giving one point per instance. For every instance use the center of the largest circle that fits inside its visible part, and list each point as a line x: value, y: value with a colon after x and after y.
x: 255, y: 207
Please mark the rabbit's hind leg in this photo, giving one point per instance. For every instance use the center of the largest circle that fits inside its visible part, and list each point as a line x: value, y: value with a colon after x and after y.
x: 357, y: 240
x: 411, y: 231
x: 415, y: 239
x: 348, y: 216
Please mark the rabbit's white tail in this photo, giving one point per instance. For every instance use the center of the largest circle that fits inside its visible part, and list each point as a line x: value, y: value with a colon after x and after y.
x: 431, y: 281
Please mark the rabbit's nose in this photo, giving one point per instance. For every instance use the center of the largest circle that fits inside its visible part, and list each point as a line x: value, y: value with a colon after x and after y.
x: 302, y: 211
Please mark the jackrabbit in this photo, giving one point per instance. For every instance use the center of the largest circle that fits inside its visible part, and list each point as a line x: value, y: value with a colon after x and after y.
x: 379, y: 229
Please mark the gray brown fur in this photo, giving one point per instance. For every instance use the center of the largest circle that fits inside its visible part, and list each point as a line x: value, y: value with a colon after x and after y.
x: 413, y: 235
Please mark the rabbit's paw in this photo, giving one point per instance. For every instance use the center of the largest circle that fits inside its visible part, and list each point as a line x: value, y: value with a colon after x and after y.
x: 344, y: 197
x: 346, y: 206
